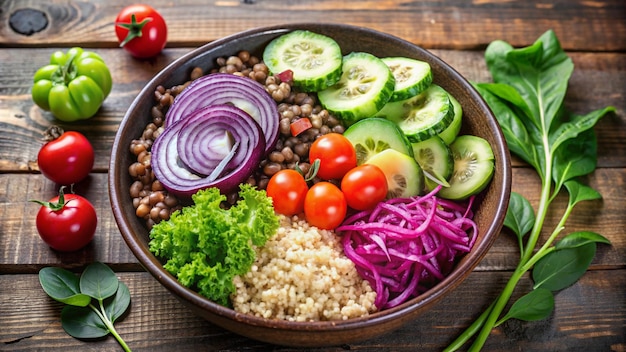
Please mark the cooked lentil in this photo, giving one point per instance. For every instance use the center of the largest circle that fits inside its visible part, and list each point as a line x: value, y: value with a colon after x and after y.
x: 301, y: 274
x: 289, y: 151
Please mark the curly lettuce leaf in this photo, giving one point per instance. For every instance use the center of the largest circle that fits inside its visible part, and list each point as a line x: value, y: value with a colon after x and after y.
x: 255, y: 213
x: 206, y: 245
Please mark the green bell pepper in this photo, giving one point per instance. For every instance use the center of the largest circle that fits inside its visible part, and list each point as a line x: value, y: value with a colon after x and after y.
x: 73, y: 86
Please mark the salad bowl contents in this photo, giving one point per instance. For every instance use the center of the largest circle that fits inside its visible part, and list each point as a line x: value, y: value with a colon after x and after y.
x: 309, y: 184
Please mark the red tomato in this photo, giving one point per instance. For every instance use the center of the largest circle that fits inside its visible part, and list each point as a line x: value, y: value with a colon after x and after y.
x: 325, y: 206
x: 67, y: 222
x: 364, y: 186
x: 66, y: 159
x: 287, y: 188
x: 335, y: 153
x: 141, y: 30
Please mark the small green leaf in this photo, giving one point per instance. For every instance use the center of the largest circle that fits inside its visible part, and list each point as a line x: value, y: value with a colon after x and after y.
x: 579, y: 192
x: 536, y: 305
x: 98, y: 281
x: 580, y: 238
x: 62, y: 285
x: 576, y: 125
x: 518, y: 138
x: 561, y: 268
x: 574, y: 158
x: 116, y: 306
x: 82, y: 323
x: 520, y: 215
x: 509, y: 95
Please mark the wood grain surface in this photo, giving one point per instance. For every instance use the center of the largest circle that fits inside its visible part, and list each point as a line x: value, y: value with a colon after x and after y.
x: 589, y: 316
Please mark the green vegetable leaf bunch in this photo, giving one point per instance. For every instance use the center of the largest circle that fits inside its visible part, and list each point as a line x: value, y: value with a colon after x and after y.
x: 206, y: 245
x: 526, y: 96
x: 93, y: 302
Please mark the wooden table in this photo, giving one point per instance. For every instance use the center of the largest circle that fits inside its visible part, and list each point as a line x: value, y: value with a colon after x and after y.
x: 589, y: 316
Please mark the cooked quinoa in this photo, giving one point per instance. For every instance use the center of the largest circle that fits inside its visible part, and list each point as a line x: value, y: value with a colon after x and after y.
x: 301, y: 274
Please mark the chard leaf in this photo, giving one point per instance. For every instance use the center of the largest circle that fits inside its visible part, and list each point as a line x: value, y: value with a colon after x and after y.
x: 520, y: 215
x: 539, y: 72
x: 561, y: 268
x: 575, y: 157
x: 511, y: 96
x: 82, y: 323
x: 537, y: 304
x: 575, y: 125
x: 98, y: 281
x: 116, y: 306
x: 580, y: 238
x: 63, y: 286
x: 518, y: 138
x: 579, y: 192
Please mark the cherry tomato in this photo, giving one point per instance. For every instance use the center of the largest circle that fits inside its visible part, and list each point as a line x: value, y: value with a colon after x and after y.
x: 287, y: 188
x: 364, y: 186
x: 141, y: 30
x: 67, y: 222
x: 325, y: 206
x: 66, y: 159
x: 336, y: 155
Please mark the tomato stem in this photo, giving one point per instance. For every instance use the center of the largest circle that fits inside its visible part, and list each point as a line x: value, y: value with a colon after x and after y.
x: 51, y: 133
x: 53, y: 206
x: 315, y: 166
x: 134, y: 28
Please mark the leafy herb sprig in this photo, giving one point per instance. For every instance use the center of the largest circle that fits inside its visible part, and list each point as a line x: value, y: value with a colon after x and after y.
x: 94, y: 301
x: 526, y: 96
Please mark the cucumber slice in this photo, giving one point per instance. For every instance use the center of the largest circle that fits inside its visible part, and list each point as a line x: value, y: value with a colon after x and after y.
x: 422, y: 116
x: 449, y: 134
x: 365, y: 86
x: 405, y: 178
x: 473, y: 167
x: 412, y: 76
x: 373, y: 135
x: 314, y: 59
x: 435, y: 158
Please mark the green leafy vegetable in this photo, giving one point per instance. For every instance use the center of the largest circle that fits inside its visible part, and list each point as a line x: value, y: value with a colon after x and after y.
x: 527, y: 93
x: 94, y: 302
x: 580, y: 238
x: 535, y: 305
x: 205, y: 246
x: 521, y: 220
x: 561, y: 268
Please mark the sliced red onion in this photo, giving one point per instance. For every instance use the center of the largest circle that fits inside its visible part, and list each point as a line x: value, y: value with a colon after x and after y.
x: 180, y: 177
x: 225, y: 88
x: 208, y: 143
x: 214, y: 145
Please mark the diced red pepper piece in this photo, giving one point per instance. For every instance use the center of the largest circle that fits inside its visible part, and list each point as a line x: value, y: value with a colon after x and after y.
x: 286, y: 76
x: 300, y: 125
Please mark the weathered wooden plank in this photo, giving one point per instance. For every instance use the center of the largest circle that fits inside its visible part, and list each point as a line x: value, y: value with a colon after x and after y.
x: 582, y: 25
x: 21, y: 249
x: 157, y: 321
x: 598, y: 81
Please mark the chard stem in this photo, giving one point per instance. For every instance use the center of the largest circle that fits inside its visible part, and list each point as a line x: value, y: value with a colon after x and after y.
x: 544, y: 202
x: 102, y: 314
x: 527, y: 254
x: 498, y: 307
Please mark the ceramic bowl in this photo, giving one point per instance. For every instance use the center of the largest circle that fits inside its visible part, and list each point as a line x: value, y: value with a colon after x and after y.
x: 478, y: 120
